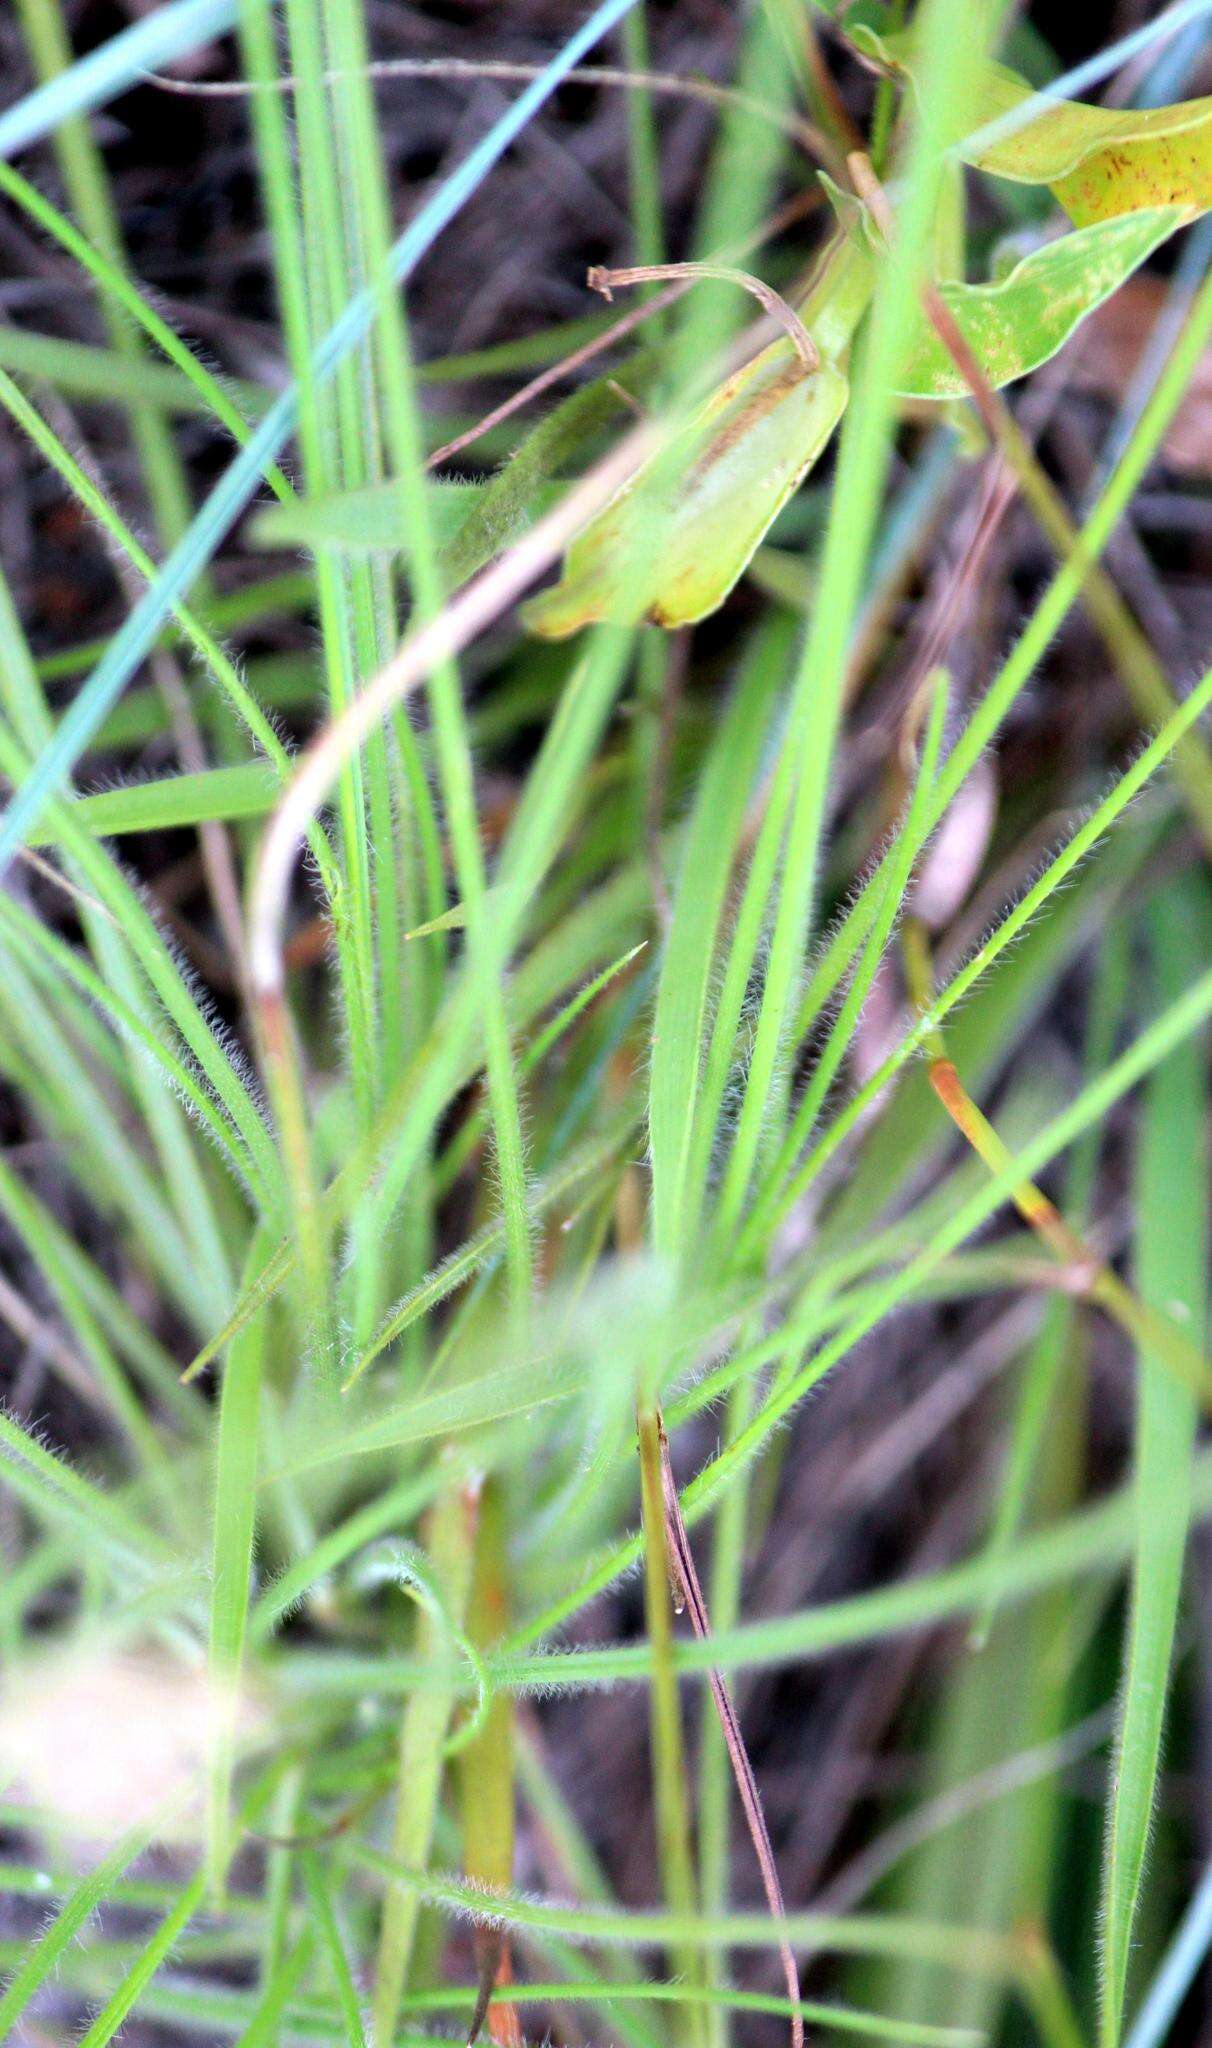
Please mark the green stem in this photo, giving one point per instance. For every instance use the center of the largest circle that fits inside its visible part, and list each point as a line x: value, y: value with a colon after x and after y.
x: 423, y: 1730
x: 486, y: 1763
x: 643, y: 147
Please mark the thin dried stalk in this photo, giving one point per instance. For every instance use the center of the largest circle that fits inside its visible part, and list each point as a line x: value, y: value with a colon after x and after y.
x: 600, y: 279
x: 681, y: 1561
x: 809, y: 138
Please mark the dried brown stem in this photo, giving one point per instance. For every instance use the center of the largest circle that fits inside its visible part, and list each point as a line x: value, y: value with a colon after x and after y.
x: 682, y: 1566
x: 671, y: 85
x: 602, y: 280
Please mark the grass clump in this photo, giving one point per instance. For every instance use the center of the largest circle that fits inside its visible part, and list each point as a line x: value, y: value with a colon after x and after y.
x: 476, y: 1066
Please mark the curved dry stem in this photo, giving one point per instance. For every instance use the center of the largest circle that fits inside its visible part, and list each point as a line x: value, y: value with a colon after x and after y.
x: 444, y: 636
x: 812, y: 140
x: 599, y: 279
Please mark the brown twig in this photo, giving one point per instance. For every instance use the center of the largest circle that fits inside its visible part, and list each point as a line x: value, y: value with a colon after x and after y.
x: 682, y: 1566
x: 1084, y: 1272
x: 602, y: 280
x: 554, y: 374
x: 50, y: 873
x: 811, y: 139
x: 493, y: 1966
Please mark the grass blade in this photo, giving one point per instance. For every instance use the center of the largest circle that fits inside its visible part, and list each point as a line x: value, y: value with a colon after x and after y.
x: 1172, y: 1181
x: 231, y: 1567
x: 45, y: 1955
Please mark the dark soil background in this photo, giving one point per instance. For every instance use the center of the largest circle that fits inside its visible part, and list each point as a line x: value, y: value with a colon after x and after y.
x: 888, y: 1467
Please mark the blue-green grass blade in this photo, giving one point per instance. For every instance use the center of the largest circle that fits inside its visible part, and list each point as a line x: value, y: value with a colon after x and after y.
x: 168, y: 32
x: 1182, y: 1960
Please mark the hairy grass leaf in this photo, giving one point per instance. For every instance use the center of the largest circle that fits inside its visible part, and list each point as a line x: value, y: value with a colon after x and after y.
x: 1173, y: 1274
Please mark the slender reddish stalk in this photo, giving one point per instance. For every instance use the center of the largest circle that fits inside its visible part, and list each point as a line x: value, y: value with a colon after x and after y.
x: 682, y: 1566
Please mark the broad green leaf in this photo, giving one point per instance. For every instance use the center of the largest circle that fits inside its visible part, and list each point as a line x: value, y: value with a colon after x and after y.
x: 1020, y: 322
x: 1103, y: 161
x: 671, y: 545
x: 1099, y: 161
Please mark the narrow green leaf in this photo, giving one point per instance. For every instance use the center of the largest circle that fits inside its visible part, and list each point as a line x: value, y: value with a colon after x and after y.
x: 53, y: 1489
x: 962, y: 1948
x: 1172, y: 1230
x: 289, y: 1973
x: 85, y: 85
x: 422, y: 1745
x: 117, y: 2009
x: 231, y: 1565
x: 367, y: 520
x: 488, y: 1243
x: 710, y: 848
x: 333, y: 1944
x: 60, y: 967
x: 1091, y: 1543
x: 82, y: 371
x: 247, y: 790
x: 44, y: 1956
